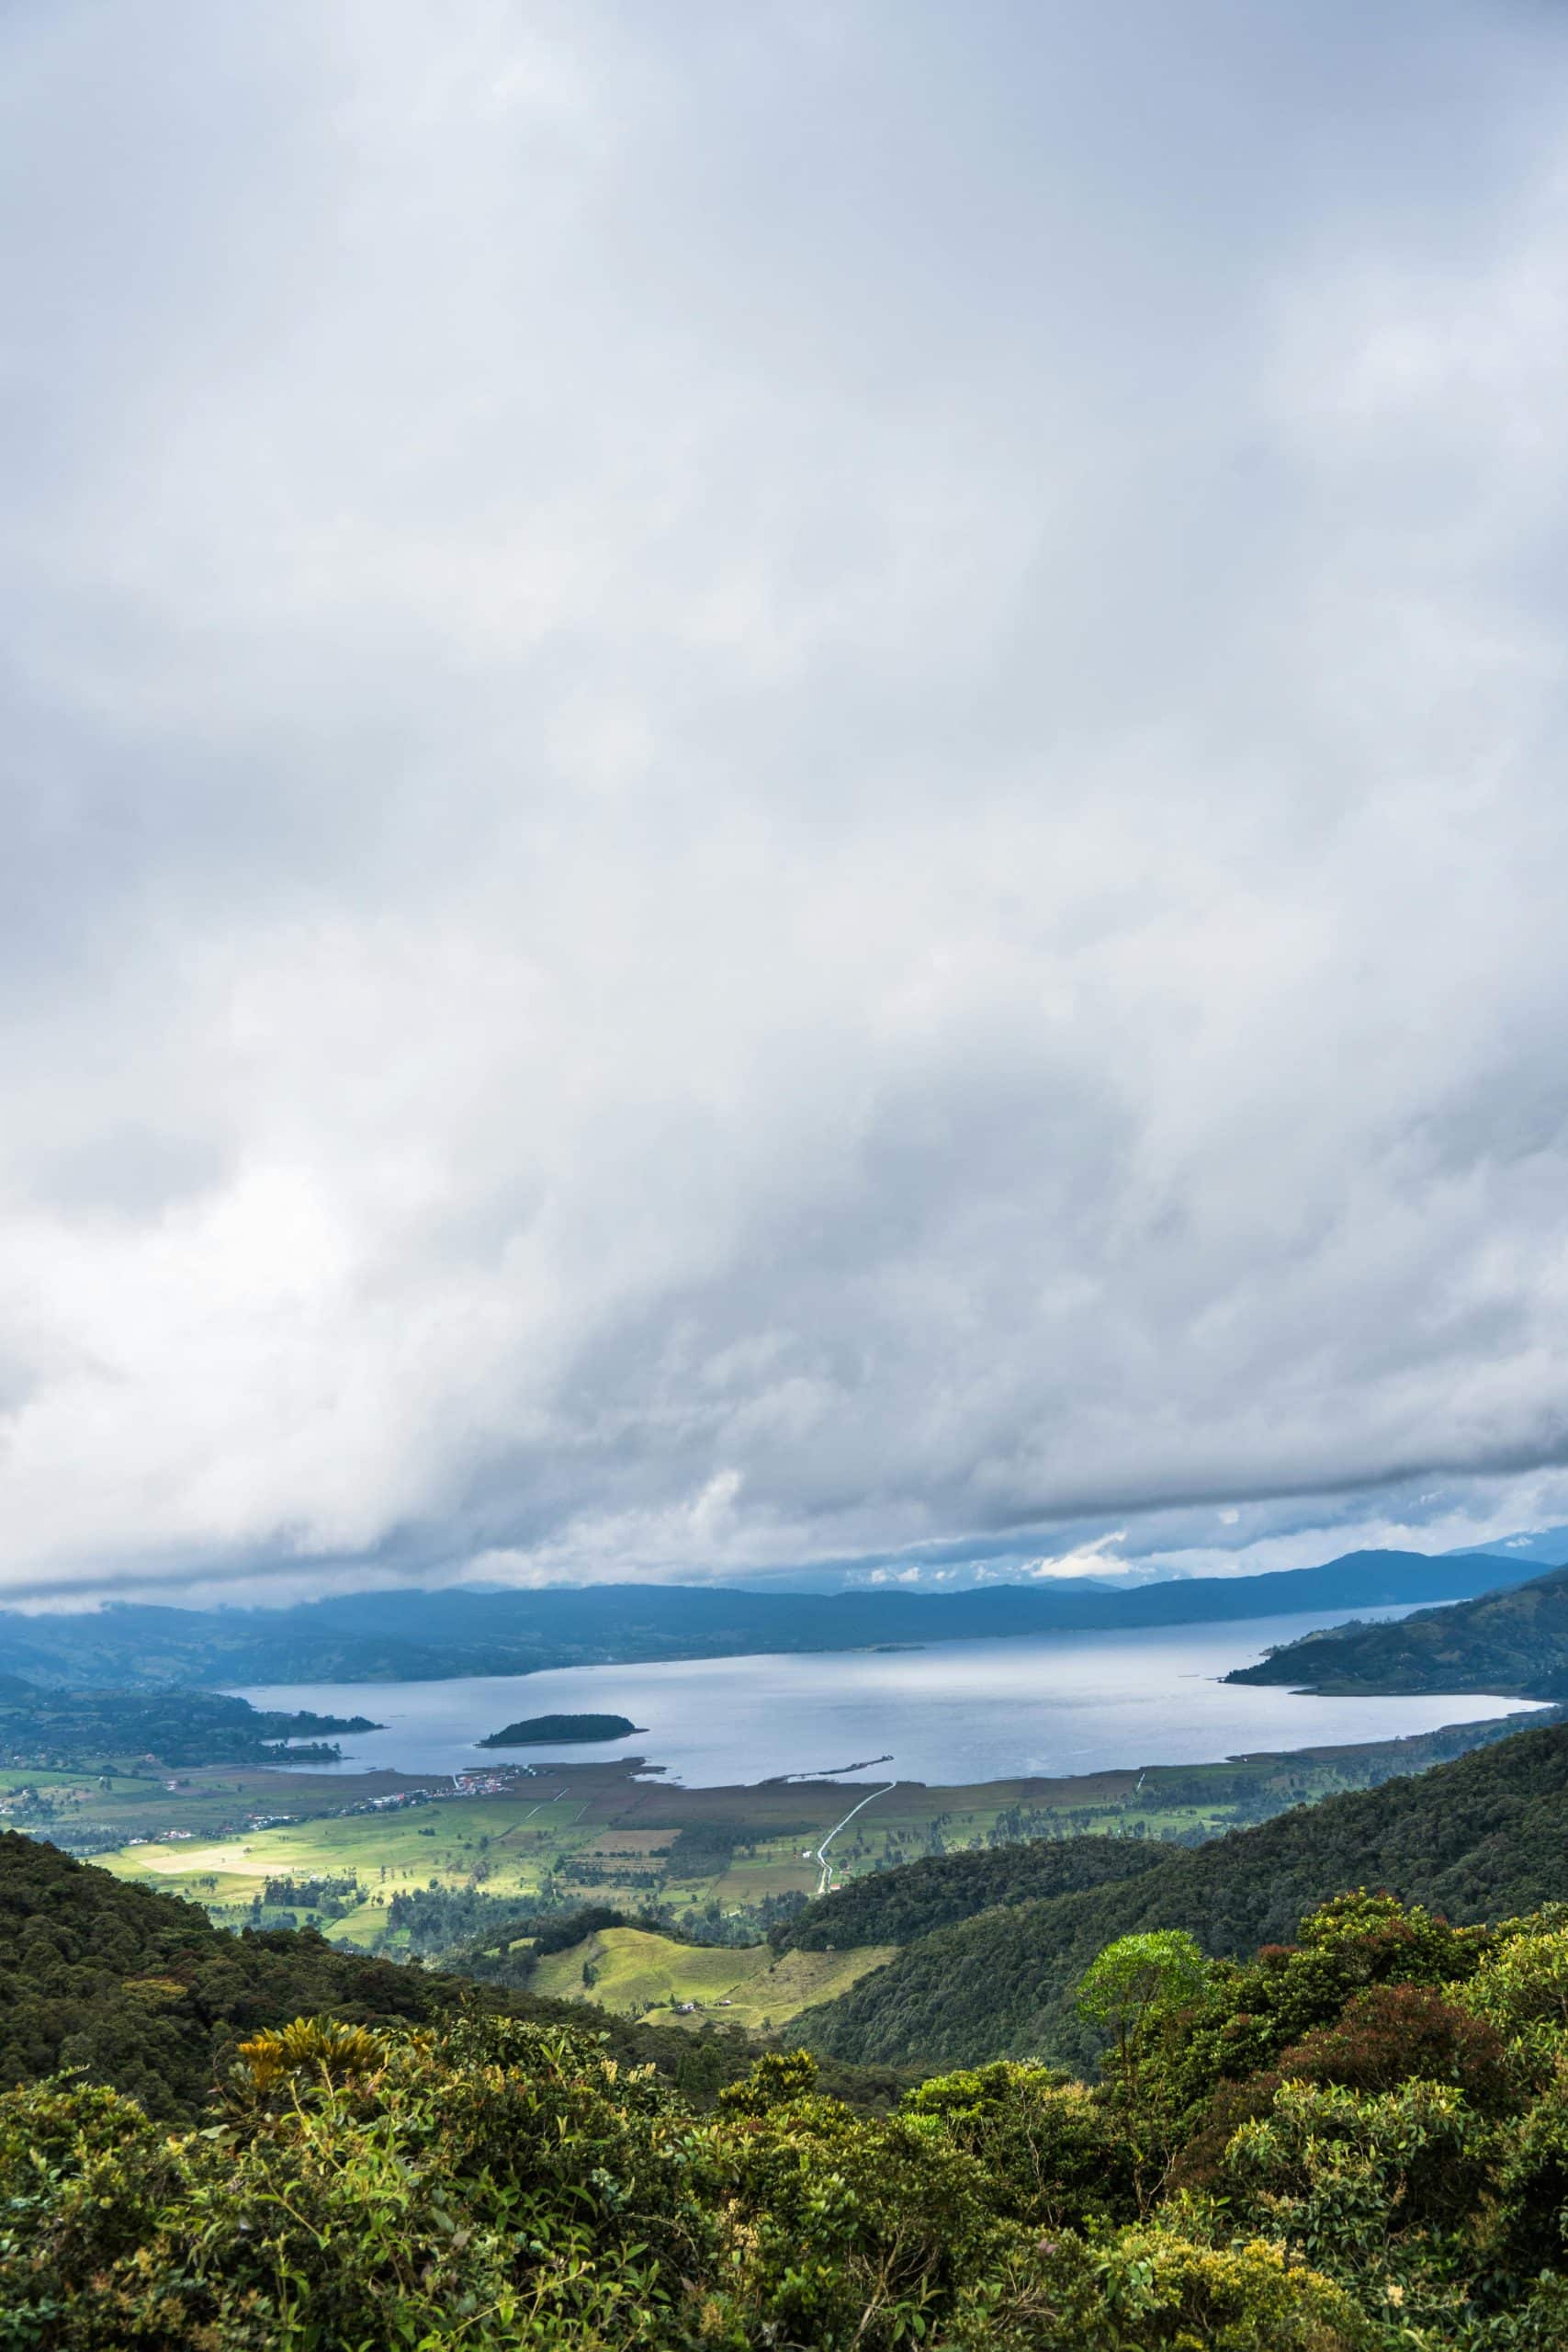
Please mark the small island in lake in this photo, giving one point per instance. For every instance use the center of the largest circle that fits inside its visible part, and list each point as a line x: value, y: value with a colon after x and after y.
x: 548, y: 1731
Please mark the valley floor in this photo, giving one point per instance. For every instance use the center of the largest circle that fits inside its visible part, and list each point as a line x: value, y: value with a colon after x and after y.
x: 255, y: 1846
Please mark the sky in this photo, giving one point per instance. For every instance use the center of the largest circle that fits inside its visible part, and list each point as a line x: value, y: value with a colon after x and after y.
x: 784, y: 787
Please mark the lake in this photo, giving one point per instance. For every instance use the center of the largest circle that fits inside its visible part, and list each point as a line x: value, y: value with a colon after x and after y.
x: 953, y: 1711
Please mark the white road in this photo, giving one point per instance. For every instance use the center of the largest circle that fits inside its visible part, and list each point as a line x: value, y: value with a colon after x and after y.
x: 821, y: 1854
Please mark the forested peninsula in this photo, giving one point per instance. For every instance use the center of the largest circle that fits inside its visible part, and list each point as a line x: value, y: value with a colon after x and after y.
x: 54, y: 1729
x: 1513, y: 1642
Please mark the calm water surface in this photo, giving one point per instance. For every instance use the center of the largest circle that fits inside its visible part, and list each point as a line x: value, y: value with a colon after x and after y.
x: 953, y: 1711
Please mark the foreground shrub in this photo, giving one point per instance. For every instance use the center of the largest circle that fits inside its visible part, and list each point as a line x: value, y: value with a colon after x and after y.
x: 1399, y: 2033
x: 1052, y: 2152
x: 1521, y: 1991
x: 1339, y: 2176
x: 1151, y: 2292
x: 1527, y: 2228
x: 1253, y: 2012
x: 507, y: 2187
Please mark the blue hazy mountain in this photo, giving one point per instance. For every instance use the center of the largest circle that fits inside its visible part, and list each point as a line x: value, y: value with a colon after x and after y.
x: 413, y: 1635
x: 1547, y: 1548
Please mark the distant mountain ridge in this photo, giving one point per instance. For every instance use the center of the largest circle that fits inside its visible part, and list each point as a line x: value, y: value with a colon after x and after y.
x: 413, y: 1637
x: 1543, y: 1547
x: 1513, y: 1641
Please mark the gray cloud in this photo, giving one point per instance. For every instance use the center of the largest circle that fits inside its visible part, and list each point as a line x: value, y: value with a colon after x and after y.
x: 780, y: 785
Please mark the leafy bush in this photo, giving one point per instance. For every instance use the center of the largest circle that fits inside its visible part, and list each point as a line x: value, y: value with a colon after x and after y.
x: 1054, y: 2154
x: 1355, y: 2142
x: 1339, y: 2173
x: 1391, y: 2035
x: 496, y: 2185
x: 1521, y: 1991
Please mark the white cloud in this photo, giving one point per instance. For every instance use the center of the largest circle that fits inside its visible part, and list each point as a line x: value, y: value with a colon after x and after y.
x: 779, y: 786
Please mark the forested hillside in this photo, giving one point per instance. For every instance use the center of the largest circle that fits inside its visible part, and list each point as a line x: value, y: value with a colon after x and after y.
x: 897, y: 1906
x: 1514, y: 1643
x: 1482, y: 1837
x: 141, y: 1991
x: 1356, y: 2145
x: 72, y: 1728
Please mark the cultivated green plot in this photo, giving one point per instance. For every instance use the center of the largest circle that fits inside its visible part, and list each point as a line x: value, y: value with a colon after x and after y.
x: 721, y: 1860
x: 634, y: 1971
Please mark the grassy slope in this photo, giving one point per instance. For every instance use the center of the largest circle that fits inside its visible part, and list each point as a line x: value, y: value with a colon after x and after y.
x: 1481, y: 1838
x: 638, y: 1971
x: 1513, y: 1643
x: 140, y: 1990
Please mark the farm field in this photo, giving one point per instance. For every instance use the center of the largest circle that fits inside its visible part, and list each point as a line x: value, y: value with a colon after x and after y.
x: 558, y: 1835
x: 634, y: 1971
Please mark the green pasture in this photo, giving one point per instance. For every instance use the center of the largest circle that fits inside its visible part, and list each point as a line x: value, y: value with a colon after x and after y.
x: 603, y: 1834
x: 634, y: 1973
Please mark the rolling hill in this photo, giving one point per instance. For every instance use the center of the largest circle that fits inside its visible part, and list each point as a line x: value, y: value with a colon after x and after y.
x: 633, y: 1970
x: 140, y: 1991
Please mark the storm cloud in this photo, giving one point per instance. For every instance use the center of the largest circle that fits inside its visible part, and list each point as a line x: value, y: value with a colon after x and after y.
x: 779, y: 783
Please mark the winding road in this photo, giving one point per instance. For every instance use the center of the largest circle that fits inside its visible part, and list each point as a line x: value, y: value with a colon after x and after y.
x: 821, y: 1853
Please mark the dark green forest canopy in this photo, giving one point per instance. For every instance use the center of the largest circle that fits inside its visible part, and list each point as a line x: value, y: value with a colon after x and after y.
x: 1356, y: 2144
x: 1484, y: 1837
x: 1513, y: 1643
x: 898, y: 1907
x: 70, y: 1728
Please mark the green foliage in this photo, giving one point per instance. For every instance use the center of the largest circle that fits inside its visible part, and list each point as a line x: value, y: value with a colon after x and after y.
x: 499, y: 2186
x: 1520, y: 1989
x: 84, y: 1727
x: 1511, y: 1640
x: 1135, y: 1987
x: 898, y: 1907
x: 493, y: 2183
x: 1398, y: 2033
x: 1151, y: 2290
x: 1353, y: 2141
x: 1340, y: 2172
x: 1052, y: 2153
x: 1257, y: 2010
x: 775, y: 2078
x: 546, y: 1730
x: 1484, y: 1837
x: 705, y: 1848
x: 1528, y: 2227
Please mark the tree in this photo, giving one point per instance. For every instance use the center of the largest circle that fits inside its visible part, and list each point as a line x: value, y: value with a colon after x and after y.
x: 1138, y: 1984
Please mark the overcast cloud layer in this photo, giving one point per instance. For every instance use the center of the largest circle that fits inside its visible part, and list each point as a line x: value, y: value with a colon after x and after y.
x: 779, y: 781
